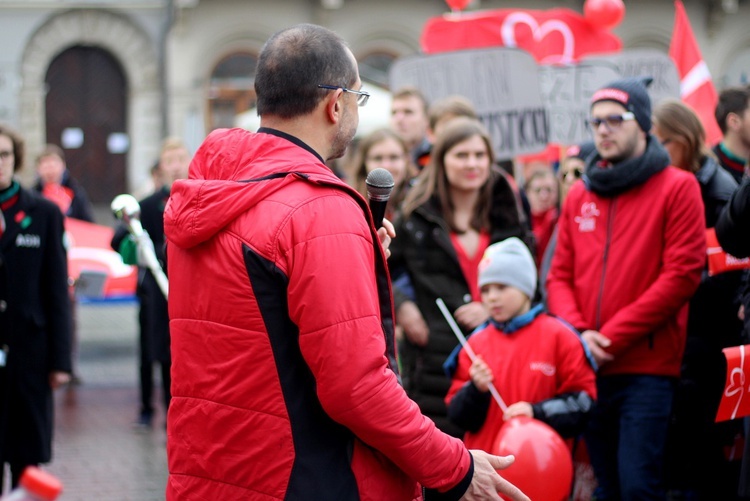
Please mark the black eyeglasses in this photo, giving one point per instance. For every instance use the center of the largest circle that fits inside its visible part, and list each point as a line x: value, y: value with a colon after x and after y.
x: 362, y: 96
x: 612, y: 122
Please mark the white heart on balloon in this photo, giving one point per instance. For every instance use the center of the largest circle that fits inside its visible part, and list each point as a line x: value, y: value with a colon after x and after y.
x: 508, y: 34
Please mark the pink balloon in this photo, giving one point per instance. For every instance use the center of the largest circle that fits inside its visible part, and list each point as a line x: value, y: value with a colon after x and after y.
x: 457, y: 4
x: 604, y: 14
x: 543, y: 468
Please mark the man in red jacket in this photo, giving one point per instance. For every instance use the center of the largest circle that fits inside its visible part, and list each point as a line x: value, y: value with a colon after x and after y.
x: 630, y: 251
x: 285, y: 383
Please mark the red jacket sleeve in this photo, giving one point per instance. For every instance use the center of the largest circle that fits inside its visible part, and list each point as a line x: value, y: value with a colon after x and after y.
x: 560, y: 286
x: 333, y: 299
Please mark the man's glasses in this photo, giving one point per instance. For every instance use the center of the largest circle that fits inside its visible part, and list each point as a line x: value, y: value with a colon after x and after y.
x: 5, y: 155
x: 362, y: 96
x: 612, y: 122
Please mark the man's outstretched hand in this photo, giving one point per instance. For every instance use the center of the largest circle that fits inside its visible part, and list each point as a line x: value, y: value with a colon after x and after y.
x: 487, y: 483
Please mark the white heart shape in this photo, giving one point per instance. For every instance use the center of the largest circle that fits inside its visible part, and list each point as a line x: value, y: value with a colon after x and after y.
x: 507, y: 31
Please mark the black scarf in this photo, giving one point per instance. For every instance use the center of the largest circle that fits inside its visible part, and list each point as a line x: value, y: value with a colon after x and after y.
x: 611, y: 180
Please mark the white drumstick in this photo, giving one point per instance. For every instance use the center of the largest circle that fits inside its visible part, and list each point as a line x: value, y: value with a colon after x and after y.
x: 469, y: 351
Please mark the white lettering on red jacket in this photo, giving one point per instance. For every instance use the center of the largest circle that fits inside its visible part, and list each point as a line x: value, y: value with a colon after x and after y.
x: 587, y: 220
x: 543, y: 367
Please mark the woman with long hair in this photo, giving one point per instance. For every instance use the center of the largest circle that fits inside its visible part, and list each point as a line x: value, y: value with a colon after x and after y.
x: 712, y: 325
x: 384, y: 149
x: 458, y: 206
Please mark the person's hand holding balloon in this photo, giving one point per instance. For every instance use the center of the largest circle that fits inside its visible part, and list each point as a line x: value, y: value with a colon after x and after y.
x: 518, y: 409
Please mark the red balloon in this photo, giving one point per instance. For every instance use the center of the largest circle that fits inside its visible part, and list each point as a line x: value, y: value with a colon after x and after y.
x: 604, y: 14
x: 457, y: 4
x: 543, y: 468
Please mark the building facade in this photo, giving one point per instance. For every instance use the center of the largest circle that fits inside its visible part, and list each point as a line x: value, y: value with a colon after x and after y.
x: 108, y: 79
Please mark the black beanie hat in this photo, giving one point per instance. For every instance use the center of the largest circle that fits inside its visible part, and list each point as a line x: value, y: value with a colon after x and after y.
x: 632, y: 94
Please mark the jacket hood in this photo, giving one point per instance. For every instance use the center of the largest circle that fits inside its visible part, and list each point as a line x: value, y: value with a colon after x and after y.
x: 231, y: 172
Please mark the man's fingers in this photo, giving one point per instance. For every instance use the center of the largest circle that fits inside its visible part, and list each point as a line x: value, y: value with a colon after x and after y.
x: 500, y: 462
x: 384, y: 236
x: 389, y: 228
x: 599, y: 353
x: 603, y: 340
x: 510, y: 490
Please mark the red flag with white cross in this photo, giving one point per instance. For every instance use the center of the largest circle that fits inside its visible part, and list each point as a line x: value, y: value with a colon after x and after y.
x: 696, y: 87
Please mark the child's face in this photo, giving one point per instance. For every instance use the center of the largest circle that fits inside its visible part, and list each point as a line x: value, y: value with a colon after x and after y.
x: 504, y: 302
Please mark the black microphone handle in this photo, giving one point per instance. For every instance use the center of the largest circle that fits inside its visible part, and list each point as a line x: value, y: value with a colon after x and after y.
x: 379, y: 186
x: 377, y: 207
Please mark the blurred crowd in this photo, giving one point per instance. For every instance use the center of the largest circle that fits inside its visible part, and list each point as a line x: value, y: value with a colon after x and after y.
x: 602, y: 268
x: 618, y: 243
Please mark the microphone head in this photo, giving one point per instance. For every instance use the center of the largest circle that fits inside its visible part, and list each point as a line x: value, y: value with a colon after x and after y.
x: 379, y: 185
x: 125, y: 207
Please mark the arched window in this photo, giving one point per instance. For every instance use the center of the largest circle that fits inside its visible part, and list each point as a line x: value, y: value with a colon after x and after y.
x: 231, y: 90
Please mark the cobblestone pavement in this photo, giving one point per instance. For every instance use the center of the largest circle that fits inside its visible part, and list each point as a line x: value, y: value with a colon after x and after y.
x: 98, y: 453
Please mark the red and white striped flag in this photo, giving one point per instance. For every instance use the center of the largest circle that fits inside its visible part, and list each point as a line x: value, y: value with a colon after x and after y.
x: 696, y: 87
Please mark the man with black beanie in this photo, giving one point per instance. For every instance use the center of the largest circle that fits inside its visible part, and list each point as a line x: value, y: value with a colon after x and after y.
x: 630, y: 251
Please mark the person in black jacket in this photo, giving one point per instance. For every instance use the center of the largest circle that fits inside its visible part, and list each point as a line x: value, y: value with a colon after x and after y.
x: 458, y: 206
x: 712, y: 326
x: 153, y: 316
x: 35, y: 321
x: 733, y: 232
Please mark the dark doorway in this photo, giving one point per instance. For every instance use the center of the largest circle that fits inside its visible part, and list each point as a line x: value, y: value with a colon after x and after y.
x: 86, y: 109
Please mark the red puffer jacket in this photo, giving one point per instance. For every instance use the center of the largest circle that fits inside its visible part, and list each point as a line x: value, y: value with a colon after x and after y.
x: 627, y: 266
x: 283, y: 375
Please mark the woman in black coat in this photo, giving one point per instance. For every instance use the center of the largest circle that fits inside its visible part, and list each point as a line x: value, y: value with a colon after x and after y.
x: 35, y: 322
x: 459, y: 206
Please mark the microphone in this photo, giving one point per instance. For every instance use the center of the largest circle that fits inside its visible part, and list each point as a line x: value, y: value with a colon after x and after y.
x: 127, y: 209
x: 379, y: 186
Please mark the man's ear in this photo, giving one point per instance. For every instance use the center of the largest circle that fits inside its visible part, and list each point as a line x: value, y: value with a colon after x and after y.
x: 733, y: 121
x: 333, y: 106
